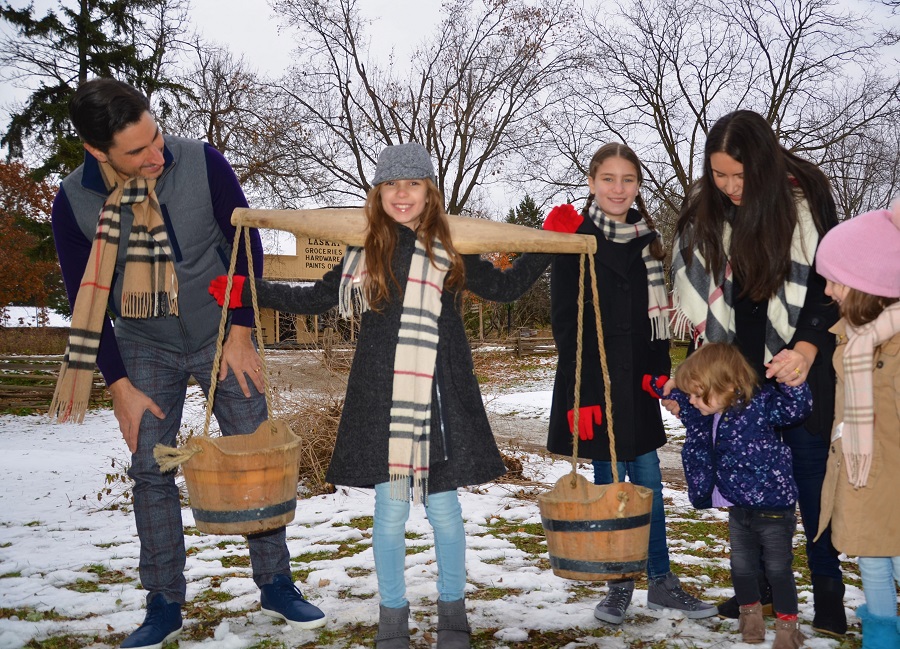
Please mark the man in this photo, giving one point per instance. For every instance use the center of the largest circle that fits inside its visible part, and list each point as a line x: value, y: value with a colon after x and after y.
x: 163, y: 233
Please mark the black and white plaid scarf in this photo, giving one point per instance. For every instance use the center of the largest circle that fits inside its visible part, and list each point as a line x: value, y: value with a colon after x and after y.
x: 703, y: 305
x: 658, y: 304
x: 414, y: 362
x: 150, y: 288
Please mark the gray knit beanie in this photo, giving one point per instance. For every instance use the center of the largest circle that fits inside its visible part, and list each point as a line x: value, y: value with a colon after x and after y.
x: 406, y: 161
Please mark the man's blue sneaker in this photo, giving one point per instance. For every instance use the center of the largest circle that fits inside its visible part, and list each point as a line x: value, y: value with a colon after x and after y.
x: 282, y: 599
x: 161, y: 625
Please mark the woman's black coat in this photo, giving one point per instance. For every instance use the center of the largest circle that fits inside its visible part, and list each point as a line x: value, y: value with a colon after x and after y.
x: 463, y: 451
x: 622, y: 288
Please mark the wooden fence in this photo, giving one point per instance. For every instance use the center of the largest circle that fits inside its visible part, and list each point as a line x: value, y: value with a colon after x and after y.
x: 29, y: 382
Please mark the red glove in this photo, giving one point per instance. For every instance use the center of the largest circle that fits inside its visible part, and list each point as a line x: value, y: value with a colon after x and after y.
x: 217, y: 290
x: 652, y: 386
x: 563, y: 218
x: 587, y: 416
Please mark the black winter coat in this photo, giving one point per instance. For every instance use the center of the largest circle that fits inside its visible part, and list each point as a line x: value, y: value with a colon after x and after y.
x: 622, y: 288
x: 463, y: 451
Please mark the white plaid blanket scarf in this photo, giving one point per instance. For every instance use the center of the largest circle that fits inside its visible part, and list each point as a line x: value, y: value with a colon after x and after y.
x: 703, y: 305
x: 414, y: 362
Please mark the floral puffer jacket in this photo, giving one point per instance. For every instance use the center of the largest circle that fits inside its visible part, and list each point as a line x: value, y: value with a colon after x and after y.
x: 749, y: 463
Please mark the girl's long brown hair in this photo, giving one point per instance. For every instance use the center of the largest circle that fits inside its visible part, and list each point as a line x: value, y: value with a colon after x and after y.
x: 381, y: 240
x: 860, y: 308
x: 764, y: 222
x: 619, y: 150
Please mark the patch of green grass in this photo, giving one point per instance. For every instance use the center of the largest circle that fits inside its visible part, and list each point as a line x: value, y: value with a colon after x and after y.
x: 30, y: 615
x: 33, y: 524
x: 491, y: 593
x: 107, y: 576
x: 211, y: 596
x: 526, y: 537
x: 268, y: 644
x: 307, y: 557
x: 235, y: 561
x: 359, y: 572
x: 62, y: 642
x: 10, y: 575
x: 6, y: 545
x: 364, y: 523
x: 85, y: 586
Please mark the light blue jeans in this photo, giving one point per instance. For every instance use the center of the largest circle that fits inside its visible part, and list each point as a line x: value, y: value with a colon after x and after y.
x: 644, y: 471
x: 880, y: 576
x: 389, y: 545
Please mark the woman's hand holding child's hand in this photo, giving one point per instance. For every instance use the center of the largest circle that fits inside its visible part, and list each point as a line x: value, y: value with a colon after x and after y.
x: 789, y: 367
x: 217, y: 290
x: 563, y: 218
x: 587, y: 416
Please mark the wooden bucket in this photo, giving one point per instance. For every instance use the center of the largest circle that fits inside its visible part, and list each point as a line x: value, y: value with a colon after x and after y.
x: 596, y: 532
x: 244, y: 484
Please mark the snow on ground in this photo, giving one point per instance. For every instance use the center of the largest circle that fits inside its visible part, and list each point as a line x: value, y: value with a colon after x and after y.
x: 56, y: 538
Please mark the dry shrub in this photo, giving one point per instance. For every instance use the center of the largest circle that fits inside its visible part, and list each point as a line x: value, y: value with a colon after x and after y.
x: 314, y: 418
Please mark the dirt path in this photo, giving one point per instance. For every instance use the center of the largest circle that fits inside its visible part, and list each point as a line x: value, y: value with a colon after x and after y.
x: 303, y: 371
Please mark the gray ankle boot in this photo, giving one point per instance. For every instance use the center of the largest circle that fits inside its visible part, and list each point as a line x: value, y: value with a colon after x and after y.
x: 393, y: 628
x: 453, y: 628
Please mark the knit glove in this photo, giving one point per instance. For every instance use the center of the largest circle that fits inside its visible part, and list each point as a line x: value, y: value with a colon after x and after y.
x: 563, y: 218
x: 654, y: 385
x: 587, y: 416
x: 217, y: 290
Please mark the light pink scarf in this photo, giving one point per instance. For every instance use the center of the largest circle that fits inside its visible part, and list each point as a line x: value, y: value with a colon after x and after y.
x: 859, y: 408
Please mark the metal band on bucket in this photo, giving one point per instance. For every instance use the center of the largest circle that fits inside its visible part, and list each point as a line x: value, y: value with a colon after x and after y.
x: 601, y: 525
x: 598, y: 567
x: 244, y: 515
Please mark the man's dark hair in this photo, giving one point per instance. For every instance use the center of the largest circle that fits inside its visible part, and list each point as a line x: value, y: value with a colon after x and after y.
x: 100, y: 108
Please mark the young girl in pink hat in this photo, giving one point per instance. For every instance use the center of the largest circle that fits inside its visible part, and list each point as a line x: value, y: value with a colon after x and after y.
x: 860, y: 260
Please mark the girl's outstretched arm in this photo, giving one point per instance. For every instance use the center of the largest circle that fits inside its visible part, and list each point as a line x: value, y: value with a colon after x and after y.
x: 491, y: 283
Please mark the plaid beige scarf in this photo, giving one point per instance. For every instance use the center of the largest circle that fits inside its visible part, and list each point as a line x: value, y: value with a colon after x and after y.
x: 657, y: 300
x: 414, y: 362
x: 859, y: 409
x: 150, y: 287
x: 703, y: 304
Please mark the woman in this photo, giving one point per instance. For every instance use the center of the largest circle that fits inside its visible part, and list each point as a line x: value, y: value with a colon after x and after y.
x: 743, y: 273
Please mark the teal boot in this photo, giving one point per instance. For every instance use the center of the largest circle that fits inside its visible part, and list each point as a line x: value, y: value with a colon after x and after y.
x: 878, y: 632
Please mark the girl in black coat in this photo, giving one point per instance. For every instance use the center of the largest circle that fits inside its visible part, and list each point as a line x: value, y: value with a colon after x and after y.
x: 633, y: 306
x: 413, y: 423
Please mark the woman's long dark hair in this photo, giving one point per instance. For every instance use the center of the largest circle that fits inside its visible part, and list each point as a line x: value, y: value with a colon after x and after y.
x: 764, y: 222
x: 619, y: 150
x: 381, y: 240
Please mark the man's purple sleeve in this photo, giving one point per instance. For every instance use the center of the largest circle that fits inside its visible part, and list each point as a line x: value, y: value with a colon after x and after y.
x: 227, y: 196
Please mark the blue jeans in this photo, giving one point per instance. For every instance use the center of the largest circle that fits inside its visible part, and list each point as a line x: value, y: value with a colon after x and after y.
x: 879, y: 575
x: 770, y: 533
x: 644, y: 471
x: 810, y: 456
x: 163, y: 376
x: 389, y: 545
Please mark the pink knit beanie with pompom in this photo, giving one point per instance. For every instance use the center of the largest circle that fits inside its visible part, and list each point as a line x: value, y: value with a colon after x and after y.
x: 864, y: 253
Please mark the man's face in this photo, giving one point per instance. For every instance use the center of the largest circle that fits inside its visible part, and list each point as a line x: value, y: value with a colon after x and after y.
x: 137, y: 150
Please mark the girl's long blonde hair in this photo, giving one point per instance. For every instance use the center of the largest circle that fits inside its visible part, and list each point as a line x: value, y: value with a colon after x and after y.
x: 381, y: 240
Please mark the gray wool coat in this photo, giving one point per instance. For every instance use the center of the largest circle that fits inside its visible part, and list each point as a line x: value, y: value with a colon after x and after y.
x: 463, y: 451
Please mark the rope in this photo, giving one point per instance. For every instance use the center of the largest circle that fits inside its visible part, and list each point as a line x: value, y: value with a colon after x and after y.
x: 170, y: 458
x: 607, y: 392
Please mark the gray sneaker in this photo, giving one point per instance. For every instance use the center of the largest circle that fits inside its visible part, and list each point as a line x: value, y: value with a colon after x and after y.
x: 666, y: 592
x: 612, y: 608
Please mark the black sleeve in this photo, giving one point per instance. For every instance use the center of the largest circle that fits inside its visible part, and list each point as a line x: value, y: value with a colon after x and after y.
x: 291, y: 298
x: 489, y: 282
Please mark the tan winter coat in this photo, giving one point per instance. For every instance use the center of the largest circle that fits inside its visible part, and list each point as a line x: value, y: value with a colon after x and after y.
x: 866, y: 522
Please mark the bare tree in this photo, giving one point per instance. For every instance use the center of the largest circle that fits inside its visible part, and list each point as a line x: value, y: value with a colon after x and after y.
x: 472, y: 92
x: 666, y: 70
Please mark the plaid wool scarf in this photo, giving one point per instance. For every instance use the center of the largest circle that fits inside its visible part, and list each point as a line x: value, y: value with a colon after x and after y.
x: 859, y: 409
x: 414, y: 362
x: 657, y: 301
x: 150, y: 288
x: 703, y: 304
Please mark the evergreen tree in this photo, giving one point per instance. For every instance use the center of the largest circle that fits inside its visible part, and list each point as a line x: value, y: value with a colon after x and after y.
x: 124, y: 39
